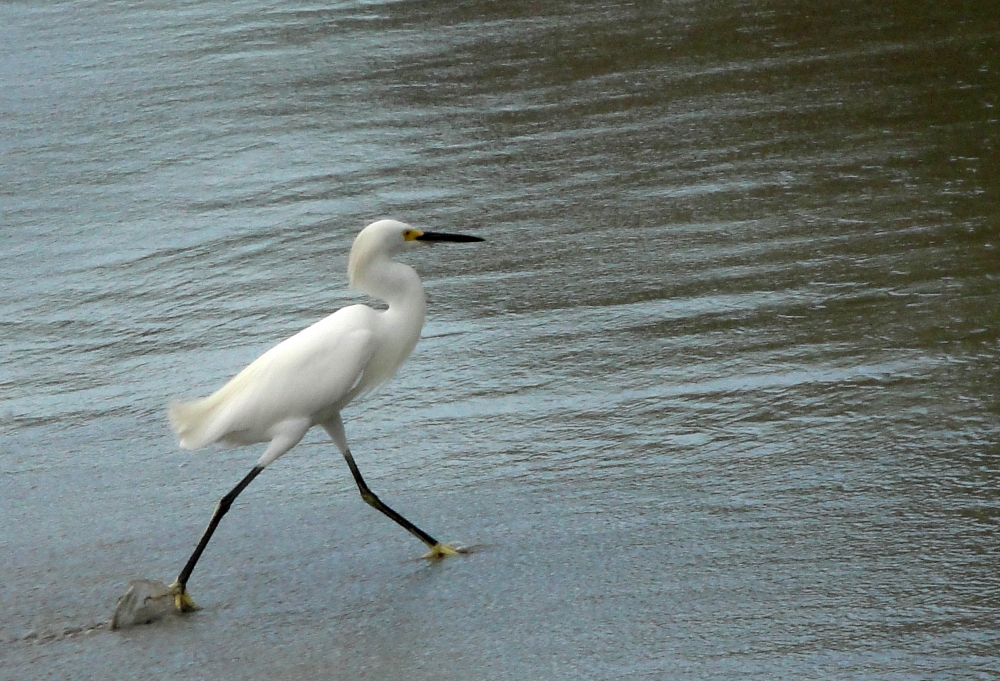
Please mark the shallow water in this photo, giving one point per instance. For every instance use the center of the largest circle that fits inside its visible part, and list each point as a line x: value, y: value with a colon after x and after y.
x: 718, y: 397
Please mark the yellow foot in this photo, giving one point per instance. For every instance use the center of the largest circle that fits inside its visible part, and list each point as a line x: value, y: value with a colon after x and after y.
x: 182, y: 599
x: 442, y: 551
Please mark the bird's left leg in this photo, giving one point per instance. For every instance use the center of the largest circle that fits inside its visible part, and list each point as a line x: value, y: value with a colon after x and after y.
x: 335, y: 428
x: 182, y: 600
x: 287, y: 435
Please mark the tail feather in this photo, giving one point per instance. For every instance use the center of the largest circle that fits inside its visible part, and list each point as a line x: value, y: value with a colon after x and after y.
x: 193, y: 422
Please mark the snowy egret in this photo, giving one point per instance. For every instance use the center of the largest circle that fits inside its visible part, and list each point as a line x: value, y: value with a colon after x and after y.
x: 307, y: 379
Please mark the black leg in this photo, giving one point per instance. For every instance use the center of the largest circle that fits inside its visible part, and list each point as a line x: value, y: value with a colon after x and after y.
x: 376, y: 503
x: 220, y: 510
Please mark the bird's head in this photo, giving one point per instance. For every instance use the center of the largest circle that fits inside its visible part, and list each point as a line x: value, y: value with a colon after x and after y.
x: 386, y: 238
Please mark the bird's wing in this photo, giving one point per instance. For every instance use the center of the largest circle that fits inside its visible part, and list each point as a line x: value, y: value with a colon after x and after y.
x: 310, y: 373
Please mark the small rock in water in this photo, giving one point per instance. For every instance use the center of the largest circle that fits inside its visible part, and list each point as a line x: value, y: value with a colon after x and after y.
x: 146, y: 600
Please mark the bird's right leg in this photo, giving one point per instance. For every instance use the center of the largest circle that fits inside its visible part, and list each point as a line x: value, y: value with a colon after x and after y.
x: 335, y: 428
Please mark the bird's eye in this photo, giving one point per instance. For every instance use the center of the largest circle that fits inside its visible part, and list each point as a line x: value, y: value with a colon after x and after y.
x: 410, y: 234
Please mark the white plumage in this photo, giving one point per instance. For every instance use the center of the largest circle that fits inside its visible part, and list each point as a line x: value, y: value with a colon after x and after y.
x: 307, y: 379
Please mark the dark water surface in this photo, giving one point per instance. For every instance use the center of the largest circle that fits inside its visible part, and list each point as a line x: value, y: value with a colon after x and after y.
x: 718, y: 398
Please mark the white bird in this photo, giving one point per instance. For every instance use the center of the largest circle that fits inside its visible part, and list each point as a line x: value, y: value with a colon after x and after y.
x: 307, y: 379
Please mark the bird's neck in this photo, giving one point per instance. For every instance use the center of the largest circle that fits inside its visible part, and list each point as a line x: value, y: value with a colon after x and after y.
x: 399, y: 286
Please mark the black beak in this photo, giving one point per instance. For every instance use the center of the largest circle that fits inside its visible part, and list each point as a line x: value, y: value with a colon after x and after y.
x: 456, y: 238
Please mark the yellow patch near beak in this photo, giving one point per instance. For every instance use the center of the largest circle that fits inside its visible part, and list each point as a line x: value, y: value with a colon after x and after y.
x: 412, y: 234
